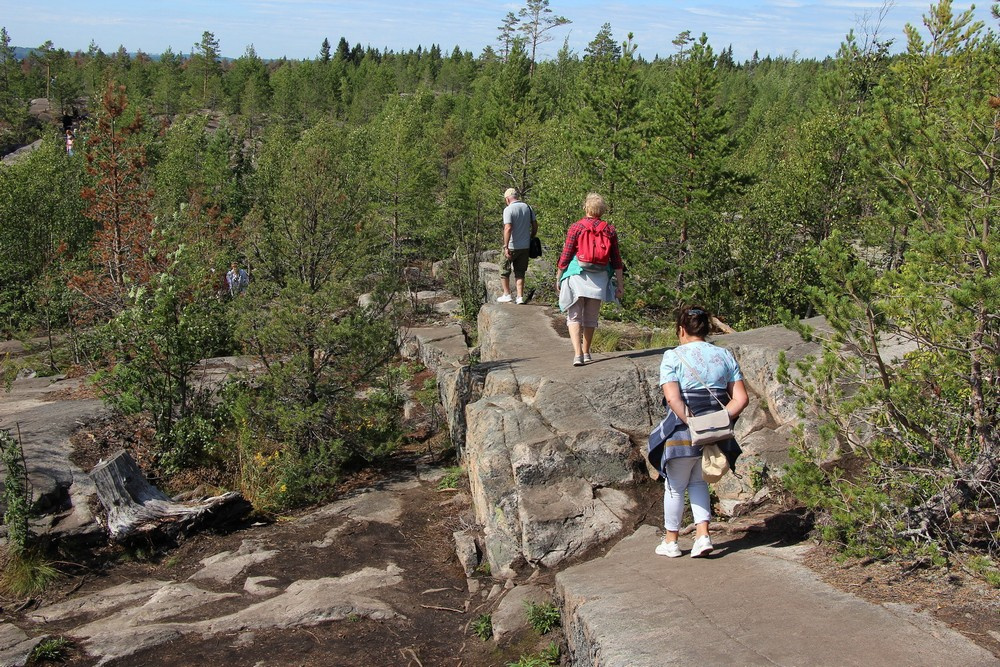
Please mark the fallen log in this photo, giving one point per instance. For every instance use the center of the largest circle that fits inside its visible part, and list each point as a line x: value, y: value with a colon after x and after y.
x: 136, y: 507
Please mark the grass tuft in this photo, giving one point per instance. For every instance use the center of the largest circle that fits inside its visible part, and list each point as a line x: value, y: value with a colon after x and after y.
x: 26, y: 573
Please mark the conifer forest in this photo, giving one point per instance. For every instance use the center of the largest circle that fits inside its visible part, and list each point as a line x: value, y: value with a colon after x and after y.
x: 858, y: 187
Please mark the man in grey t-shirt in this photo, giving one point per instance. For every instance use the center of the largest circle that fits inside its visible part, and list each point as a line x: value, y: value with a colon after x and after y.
x: 519, y: 225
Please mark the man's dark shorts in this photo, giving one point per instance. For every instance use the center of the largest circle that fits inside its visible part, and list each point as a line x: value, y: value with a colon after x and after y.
x: 518, y: 260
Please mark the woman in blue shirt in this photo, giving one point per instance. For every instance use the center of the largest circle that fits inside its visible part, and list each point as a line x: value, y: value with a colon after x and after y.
x: 695, y: 377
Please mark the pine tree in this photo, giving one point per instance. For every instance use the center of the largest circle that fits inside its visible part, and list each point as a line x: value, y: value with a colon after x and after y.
x: 508, y: 33
x: 311, y: 254
x: 605, y: 132
x: 206, y: 66
x: 536, y: 22
x: 931, y: 415
x: 343, y: 50
x: 509, y: 152
x: 404, y: 174
x: 119, y: 204
x: 683, y: 174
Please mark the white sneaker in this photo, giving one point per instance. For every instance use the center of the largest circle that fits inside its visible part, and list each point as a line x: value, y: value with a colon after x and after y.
x: 702, y: 547
x: 506, y: 298
x: 668, y: 549
x: 520, y: 300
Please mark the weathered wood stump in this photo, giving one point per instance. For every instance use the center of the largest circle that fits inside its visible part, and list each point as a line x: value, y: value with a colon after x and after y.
x: 135, y: 506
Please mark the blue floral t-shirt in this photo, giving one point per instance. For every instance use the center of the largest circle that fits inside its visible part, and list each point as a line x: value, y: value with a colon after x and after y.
x: 716, y: 365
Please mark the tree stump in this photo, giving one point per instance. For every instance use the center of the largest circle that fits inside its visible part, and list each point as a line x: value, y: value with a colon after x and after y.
x: 135, y: 506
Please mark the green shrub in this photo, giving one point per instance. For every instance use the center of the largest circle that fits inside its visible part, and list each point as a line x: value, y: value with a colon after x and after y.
x: 54, y: 649
x: 26, y: 570
x: 757, y: 472
x: 482, y: 627
x: 288, y: 455
x: 428, y: 394
x: 16, y: 495
x: 452, y: 478
x: 547, y: 657
x: 986, y: 568
x: 542, y: 617
x: 859, y: 513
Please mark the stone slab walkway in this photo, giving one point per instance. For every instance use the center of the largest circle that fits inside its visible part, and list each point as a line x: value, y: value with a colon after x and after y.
x: 740, y: 606
x: 745, y: 605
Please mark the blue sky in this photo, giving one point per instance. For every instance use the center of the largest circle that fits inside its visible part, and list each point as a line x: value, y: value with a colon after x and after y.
x: 296, y: 28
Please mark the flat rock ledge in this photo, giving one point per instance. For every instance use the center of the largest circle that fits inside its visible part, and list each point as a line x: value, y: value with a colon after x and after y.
x: 757, y: 606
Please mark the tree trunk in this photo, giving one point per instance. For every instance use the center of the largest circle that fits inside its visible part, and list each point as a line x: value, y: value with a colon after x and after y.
x: 135, y: 506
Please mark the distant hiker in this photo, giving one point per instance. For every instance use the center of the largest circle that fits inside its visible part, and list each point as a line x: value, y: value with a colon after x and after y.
x: 519, y: 225
x: 69, y: 142
x: 237, y: 279
x: 583, y: 281
x: 695, y: 377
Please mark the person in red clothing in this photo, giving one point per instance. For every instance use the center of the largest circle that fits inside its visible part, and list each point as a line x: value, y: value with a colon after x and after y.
x: 583, y: 285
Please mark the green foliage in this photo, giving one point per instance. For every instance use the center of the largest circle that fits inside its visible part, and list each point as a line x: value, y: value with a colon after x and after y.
x: 605, y: 340
x: 660, y: 338
x: 53, y: 649
x: 543, y: 617
x: 757, y: 473
x: 138, y: 552
x: 427, y: 395
x: 985, y: 567
x: 27, y: 572
x: 547, y: 657
x: 452, y: 478
x: 859, y: 188
x: 482, y: 627
x: 685, y: 181
x: 16, y: 496
x: 925, y: 420
x: 43, y: 217
x: 162, y: 334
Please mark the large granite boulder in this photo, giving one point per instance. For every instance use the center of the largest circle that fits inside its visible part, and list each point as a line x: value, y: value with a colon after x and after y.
x: 555, y: 453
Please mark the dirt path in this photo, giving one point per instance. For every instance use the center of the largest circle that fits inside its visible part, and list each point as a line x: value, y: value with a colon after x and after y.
x: 369, y: 580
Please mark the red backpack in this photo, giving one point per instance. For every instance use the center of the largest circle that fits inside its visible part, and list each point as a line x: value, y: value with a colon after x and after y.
x: 593, y: 245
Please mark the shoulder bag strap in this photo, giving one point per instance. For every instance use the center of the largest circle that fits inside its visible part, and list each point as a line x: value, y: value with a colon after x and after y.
x: 698, y: 375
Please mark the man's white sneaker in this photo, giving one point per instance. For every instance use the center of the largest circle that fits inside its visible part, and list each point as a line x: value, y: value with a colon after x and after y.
x: 520, y: 300
x: 702, y: 547
x: 505, y: 298
x: 668, y: 549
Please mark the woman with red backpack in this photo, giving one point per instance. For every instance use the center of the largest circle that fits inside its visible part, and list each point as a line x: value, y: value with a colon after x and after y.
x: 589, y: 258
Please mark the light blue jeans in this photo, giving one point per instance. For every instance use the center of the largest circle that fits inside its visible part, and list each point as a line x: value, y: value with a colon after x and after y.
x: 685, y: 473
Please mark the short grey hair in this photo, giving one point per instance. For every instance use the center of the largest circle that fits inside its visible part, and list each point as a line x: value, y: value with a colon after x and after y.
x: 594, y: 205
x: 510, y: 193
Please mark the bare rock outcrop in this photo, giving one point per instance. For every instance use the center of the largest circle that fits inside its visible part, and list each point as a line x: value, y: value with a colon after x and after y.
x: 555, y: 453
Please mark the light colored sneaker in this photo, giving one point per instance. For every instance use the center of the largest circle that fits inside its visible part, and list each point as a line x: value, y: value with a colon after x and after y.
x: 702, y: 547
x: 505, y: 298
x: 668, y: 549
x: 586, y: 358
x: 578, y: 361
x: 520, y: 300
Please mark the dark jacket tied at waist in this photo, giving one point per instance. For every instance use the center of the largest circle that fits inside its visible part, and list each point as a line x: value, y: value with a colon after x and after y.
x: 671, y: 439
